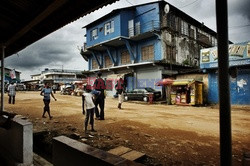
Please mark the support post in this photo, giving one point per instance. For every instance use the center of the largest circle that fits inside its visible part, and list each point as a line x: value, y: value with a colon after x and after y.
x: 132, y: 57
x: 97, y: 60
x: 2, y: 78
x: 224, y: 91
x: 110, y: 55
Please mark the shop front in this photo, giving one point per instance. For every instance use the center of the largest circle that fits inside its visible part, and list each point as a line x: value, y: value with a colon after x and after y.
x: 187, y: 92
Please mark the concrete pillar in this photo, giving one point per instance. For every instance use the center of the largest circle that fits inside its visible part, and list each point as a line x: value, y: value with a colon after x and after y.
x: 67, y: 152
x: 16, y: 143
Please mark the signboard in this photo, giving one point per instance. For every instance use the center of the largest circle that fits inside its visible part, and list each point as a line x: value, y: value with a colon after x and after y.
x: 239, y: 54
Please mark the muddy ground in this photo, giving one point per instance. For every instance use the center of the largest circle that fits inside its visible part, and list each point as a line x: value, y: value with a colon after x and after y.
x: 168, y: 135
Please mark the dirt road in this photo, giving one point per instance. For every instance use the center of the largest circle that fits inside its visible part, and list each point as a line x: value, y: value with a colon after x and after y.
x: 168, y: 135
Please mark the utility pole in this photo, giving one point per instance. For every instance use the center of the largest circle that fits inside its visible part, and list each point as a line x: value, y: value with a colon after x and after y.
x: 2, y: 78
x: 224, y: 85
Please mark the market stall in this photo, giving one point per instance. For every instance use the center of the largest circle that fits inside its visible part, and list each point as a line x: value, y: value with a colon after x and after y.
x: 187, y: 92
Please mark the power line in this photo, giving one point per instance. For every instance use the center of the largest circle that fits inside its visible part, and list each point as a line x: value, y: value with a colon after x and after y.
x: 240, y: 26
x: 188, y: 4
x: 130, y: 3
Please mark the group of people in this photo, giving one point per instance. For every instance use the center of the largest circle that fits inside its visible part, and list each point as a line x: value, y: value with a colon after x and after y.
x: 93, y: 101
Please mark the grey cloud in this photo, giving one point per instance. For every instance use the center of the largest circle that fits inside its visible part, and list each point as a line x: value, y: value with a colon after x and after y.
x: 239, y: 7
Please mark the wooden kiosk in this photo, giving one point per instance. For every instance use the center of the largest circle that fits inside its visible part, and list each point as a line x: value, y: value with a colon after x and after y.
x: 187, y: 92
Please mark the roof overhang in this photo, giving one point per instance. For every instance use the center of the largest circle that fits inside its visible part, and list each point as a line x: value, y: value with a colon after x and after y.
x: 24, y: 22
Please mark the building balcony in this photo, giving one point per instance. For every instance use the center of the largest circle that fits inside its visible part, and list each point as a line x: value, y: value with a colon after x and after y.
x: 142, y: 31
x: 136, y: 33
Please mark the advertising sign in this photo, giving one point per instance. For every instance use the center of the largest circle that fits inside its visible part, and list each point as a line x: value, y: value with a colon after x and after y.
x: 239, y: 54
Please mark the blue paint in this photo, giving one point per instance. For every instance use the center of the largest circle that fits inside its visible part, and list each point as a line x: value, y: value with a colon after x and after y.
x: 151, y: 41
x: 238, y: 62
x: 213, y: 88
x: 239, y: 88
x: 238, y: 56
x: 149, y: 18
x: 100, y: 27
x: 147, y: 15
x: 125, y: 16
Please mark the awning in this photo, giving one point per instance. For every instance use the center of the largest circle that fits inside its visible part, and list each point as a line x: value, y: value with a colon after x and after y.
x: 183, y: 82
x: 165, y: 81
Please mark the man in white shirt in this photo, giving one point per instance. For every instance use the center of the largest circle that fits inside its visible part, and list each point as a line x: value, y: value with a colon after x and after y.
x: 12, y: 93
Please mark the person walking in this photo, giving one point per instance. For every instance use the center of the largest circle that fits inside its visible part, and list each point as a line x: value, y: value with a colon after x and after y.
x: 54, y: 88
x: 88, y: 104
x: 11, y: 93
x: 99, y: 85
x: 46, y: 92
x: 120, y: 88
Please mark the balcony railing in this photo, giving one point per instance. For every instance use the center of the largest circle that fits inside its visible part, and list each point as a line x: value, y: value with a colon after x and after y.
x: 143, y: 28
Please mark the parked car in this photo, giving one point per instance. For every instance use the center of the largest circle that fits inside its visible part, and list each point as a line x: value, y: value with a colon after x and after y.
x: 20, y: 87
x: 142, y: 94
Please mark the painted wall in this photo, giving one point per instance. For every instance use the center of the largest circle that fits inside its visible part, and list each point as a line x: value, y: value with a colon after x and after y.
x: 157, y: 48
x: 147, y: 15
x: 239, y: 88
x: 125, y: 16
x: 147, y: 77
x: 100, y: 26
x: 136, y: 49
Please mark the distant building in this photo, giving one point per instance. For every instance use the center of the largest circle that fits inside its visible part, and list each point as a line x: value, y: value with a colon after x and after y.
x: 58, y: 76
x: 145, y: 43
x: 239, y: 63
x: 11, y: 75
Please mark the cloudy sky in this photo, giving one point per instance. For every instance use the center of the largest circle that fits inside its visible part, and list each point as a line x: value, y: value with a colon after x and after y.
x: 61, y: 48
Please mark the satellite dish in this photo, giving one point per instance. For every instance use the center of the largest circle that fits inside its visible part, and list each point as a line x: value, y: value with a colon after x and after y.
x: 166, y: 8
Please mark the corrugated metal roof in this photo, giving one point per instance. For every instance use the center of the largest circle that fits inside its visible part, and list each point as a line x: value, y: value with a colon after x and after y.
x: 22, y: 22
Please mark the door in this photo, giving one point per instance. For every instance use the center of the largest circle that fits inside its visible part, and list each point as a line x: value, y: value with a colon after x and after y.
x: 131, y: 28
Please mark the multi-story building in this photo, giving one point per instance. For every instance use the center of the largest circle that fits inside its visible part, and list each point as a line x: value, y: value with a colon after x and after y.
x: 145, y: 43
x: 58, y: 76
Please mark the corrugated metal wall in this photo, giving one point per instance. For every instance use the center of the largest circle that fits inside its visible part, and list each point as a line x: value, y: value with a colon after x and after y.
x: 239, y: 88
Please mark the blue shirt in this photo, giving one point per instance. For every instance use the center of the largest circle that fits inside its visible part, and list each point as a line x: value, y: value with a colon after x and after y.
x: 46, y: 92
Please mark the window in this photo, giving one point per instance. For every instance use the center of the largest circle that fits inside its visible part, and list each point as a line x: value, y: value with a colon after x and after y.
x: 147, y: 53
x: 131, y: 28
x: 109, y: 27
x: 94, y: 34
x: 171, y: 53
x: 184, y: 28
x: 108, y: 62
x: 192, y: 32
x: 171, y: 21
x: 125, y: 57
x: 137, y: 28
x: 94, y: 64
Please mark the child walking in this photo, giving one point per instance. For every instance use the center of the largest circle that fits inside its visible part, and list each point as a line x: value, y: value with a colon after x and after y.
x: 88, y: 102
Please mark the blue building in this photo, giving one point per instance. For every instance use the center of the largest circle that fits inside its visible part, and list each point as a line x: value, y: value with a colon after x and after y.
x: 145, y: 43
x: 239, y: 62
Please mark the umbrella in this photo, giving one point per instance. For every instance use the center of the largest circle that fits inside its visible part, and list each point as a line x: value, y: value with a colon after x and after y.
x: 165, y: 81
